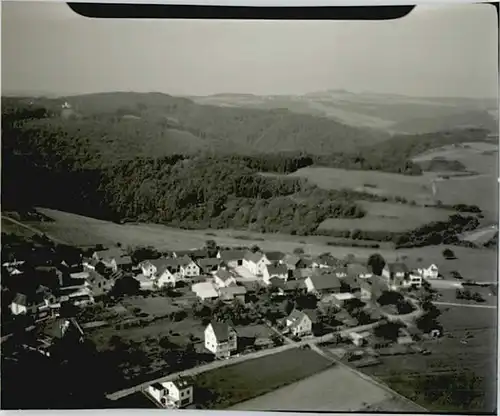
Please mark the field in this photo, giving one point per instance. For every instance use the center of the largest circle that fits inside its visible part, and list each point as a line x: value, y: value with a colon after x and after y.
x: 226, y: 386
x: 388, y: 217
x: 335, y: 390
x: 417, y: 188
x: 450, y: 356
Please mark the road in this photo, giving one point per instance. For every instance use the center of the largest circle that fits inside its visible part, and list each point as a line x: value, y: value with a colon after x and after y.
x: 465, y: 305
x: 236, y: 360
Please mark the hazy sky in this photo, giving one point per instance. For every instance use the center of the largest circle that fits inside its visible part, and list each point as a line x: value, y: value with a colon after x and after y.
x: 445, y: 51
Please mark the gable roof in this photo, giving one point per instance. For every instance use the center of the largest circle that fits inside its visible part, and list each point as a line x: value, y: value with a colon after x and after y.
x: 208, y: 262
x: 325, y: 281
x: 224, y: 275
x: 291, y: 260
x: 221, y: 330
x: 205, y: 289
x: 20, y: 299
x: 232, y: 255
x: 184, y: 261
x: 275, y: 255
x: 163, y: 264
x: 253, y: 257
x: 357, y: 269
x: 279, y: 269
x: 328, y: 260
x: 231, y: 291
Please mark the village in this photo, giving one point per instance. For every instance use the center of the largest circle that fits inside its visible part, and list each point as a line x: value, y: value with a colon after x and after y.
x: 364, y: 309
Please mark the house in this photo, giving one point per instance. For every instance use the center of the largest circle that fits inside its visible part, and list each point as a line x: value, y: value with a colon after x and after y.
x: 359, y: 338
x: 99, y: 284
x: 188, y: 268
x: 209, y: 265
x: 360, y: 271
x: 45, y: 296
x: 205, y: 290
x: 221, y: 339
x: 321, y: 284
x: 93, y: 264
x: 232, y: 258
x: 231, y: 293
x: 223, y: 278
x: 107, y: 255
x: 280, y: 271
x: 299, y: 324
x: 414, y: 280
x: 19, y: 305
x: 291, y: 261
x: 255, y: 262
x: 394, y: 272
x: 172, y: 394
x: 325, y: 261
x: 177, y: 254
x: 151, y: 268
x: 431, y: 272
x: 122, y: 263
x: 165, y: 272
x: 339, y: 299
x: 340, y: 272
x: 275, y: 256
x: 282, y: 287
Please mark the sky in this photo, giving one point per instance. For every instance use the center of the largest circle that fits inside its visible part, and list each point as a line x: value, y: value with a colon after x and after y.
x: 450, y: 51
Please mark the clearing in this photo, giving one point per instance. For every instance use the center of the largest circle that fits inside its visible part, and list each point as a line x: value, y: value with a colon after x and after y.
x: 383, y: 216
x: 226, y: 386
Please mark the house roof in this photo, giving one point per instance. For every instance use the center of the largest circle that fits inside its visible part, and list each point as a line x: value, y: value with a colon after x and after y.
x: 343, y: 296
x: 95, y: 277
x: 253, y: 257
x: 123, y: 261
x: 357, y: 269
x: 291, y: 260
x: 184, y: 261
x: 296, y: 317
x: 279, y: 269
x: 340, y: 271
x: 221, y: 330
x: 199, y: 253
x: 232, y: 255
x: 182, y: 253
x: 352, y: 281
x: 397, y: 268
x: 209, y: 262
x: 328, y: 260
x: 205, y: 290
x: 231, y: 291
x: 275, y: 255
x: 325, y: 281
x: 224, y: 275
x: 277, y: 282
x: 20, y: 299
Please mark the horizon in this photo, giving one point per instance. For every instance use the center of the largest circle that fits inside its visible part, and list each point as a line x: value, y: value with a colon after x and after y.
x: 48, y: 48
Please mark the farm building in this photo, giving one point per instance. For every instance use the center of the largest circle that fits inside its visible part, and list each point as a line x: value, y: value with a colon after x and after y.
x: 205, y: 290
x: 232, y: 258
x: 322, y: 284
x: 340, y: 299
x: 233, y: 292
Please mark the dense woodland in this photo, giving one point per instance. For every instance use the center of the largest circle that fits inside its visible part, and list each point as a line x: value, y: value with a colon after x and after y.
x: 99, y: 164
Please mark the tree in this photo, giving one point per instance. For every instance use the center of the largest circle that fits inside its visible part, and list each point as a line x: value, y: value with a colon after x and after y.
x: 298, y: 251
x: 212, y: 248
x: 389, y: 331
x: 255, y: 248
x: 390, y: 297
x: 448, y: 254
x: 377, y: 263
x: 125, y: 285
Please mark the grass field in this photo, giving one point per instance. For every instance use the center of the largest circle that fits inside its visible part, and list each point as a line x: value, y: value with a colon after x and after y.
x: 450, y: 356
x: 335, y: 390
x: 388, y: 217
x: 226, y: 386
x: 417, y: 188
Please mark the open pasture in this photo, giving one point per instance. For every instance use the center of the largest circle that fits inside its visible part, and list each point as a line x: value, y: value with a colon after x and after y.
x: 383, y: 216
x: 413, y: 188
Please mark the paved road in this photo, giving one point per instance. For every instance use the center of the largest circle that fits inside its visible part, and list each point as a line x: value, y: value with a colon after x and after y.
x: 465, y: 305
x: 235, y: 360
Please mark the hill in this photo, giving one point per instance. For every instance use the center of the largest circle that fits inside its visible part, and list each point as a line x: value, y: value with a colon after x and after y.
x: 159, y: 124
x: 383, y: 112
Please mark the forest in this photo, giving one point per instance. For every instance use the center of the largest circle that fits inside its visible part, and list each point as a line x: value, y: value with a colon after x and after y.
x: 93, y: 169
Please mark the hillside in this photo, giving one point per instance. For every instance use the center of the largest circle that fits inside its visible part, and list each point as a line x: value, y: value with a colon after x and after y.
x: 382, y: 112
x: 159, y: 125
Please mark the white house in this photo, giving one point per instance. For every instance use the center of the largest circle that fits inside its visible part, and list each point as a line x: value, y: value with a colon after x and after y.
x: 145, y: 283
x: 280, y: 271
x: 223, y: 278
x: 394, y: 272
x: 172, y: 394
x: 19, y: 305
x: 299, y: 323
x: 164, y: 272
x: 431, y: 272
x: 220, y: 339
x: 255, y: 262
x: 188, y: 268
